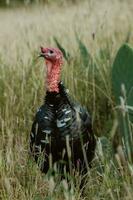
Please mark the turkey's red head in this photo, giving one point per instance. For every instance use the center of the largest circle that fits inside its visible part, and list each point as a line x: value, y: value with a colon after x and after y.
x: 52, y: 54
x: 54, y: 61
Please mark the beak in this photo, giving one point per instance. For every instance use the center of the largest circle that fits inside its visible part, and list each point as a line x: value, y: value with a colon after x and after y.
x: 41, y: 55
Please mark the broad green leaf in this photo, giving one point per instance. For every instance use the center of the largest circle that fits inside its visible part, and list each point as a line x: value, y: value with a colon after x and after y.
x: 122, y: 73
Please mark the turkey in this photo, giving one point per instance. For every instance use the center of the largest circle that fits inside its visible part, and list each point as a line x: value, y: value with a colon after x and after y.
x: 62, y: 129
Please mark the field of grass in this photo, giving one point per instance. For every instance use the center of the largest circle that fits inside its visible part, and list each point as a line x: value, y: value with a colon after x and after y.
x: 103, y: 26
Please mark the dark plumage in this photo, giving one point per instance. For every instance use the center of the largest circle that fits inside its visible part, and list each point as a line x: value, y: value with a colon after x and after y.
x: 59, y: 122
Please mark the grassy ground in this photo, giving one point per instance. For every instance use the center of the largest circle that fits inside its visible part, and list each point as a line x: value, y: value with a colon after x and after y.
x: 103, y: 26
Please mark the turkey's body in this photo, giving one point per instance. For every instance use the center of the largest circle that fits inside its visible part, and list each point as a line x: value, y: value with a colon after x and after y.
x: 62, y: 129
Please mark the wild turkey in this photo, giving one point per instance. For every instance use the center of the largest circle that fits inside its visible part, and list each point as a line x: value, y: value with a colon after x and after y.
x: 61, y: 129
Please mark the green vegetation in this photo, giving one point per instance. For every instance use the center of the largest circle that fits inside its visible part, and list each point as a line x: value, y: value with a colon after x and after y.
x: 20, y: 2
x: 16, y: 3
x: 122, y: 81
x: 90, y: 34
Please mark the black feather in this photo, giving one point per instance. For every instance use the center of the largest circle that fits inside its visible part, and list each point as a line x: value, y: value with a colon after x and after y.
x: 57, y: 119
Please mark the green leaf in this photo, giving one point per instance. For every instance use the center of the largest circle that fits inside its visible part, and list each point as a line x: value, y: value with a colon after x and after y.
x: 122, y: 73
x: 65, y: 54
x: 85, y: 56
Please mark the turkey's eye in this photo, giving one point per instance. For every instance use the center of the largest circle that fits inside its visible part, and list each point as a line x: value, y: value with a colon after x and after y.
x: 51, y: 52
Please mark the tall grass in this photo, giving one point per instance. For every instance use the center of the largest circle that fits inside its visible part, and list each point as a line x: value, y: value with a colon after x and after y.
x: 101, y: 26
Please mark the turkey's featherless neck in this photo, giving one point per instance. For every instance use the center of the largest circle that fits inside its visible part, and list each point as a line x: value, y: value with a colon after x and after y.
x: 53, y: 75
